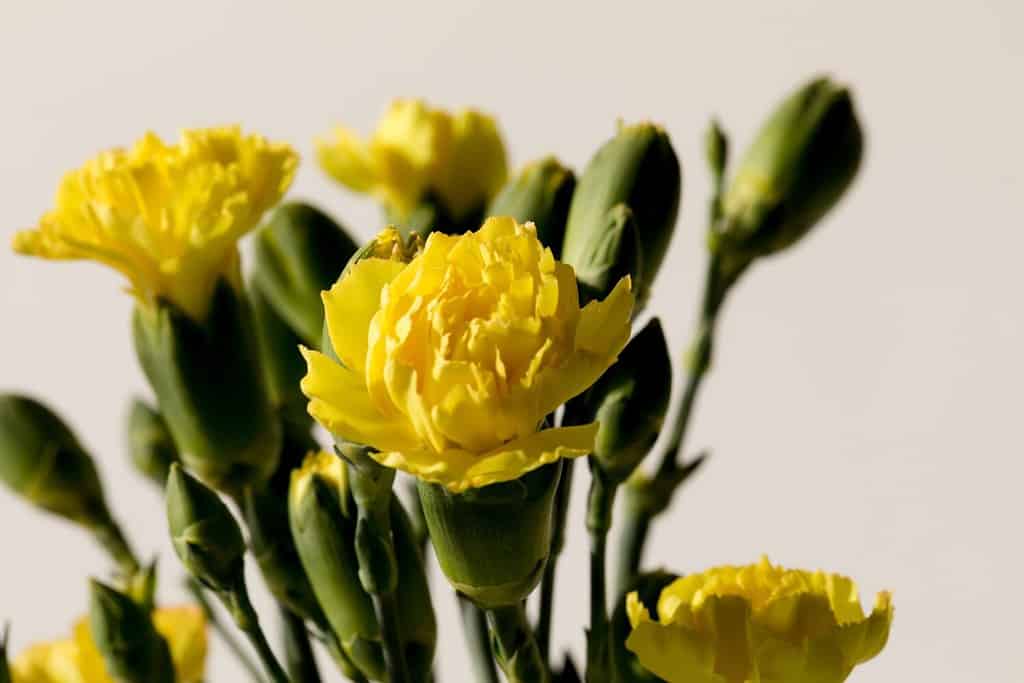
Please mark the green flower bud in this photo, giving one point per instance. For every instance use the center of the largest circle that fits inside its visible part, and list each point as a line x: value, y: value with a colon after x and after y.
x: 150, y: 444
x: 299, y: 253
x: 541, y: 193
x: 638, y: 168
x: 648, y: 587
x: 716, y: 150
x: 801, y: 162
x: 323, y: 522
x: 132, y: 649
x: 613, y: 252
x: 282, y: 363
x: 43, y: 462
x: 204, y: 533
x: 493, y: 542
x: 210, y: 389
x: 630, y: 401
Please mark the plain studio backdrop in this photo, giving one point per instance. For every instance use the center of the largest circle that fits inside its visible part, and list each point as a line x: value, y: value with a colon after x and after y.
x: 864, y: 409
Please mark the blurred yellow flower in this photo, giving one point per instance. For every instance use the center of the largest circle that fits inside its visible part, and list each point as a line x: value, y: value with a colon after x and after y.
x: 417, y: 150
x: 76, y: 660
x: 168, y: 217
x: 758, y: 624
x: 450, y: 363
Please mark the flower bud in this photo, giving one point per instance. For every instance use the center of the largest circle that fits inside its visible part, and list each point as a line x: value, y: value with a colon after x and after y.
x: 613, y: 252
x: 801, y: 162
x: 210, y: 388
x: 323, y: 525
x: 283, y: 365
x: 493, y: 542
x: 150, y: 444
x: 205, y: 535
x: 43, y: 462
x: 638, y: 168
x: 132, y: 650
x: 629, y: 402
x: 298, y: 253
x: 716, y: 150
x: 540, y: 194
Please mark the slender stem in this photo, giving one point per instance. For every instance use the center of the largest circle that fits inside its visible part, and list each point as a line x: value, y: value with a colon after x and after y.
x: 341, y: 659
x: 474, y: 623
x: 226, y: 635
x: 599, y: 519
x: 112, y: 539
x: 515, y: 647
x: 547, y: 585
x: 387, y: 610
x: 248, y: 621
x: 299, y: 658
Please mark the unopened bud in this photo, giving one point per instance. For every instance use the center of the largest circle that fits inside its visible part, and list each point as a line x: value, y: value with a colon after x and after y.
x: 613, y: 253
x: 150, y: 444
x: 132, y: 649
x: 541, y: 194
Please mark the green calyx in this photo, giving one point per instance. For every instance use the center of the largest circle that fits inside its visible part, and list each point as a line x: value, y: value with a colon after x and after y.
x: 204, y: 533
x: 630, y: 401
x: 211, y: 389
x: 541, y: 193
x: 802, y: 161
x: 42, y: 461
x: 132, y: 649
x: 283, y: 365
x: 613, y: 252
x: 300, y: 252
x: 493, y: 542
x: 150, y: 444
x: 639, y: 168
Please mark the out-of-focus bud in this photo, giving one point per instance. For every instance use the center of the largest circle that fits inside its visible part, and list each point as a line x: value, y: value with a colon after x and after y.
x: 205, y: 535
x: 43, y: 462
x: 493, y: 542
x: 541, y: 193
x: 211, y: 389
x: 283, y: 365
x: 800, y: 164
x: 613, y: 252
x: 132, y: 649
x: 389, y: 243
x: 5, y: 667
x: 648, y: 587
x: 630, y: 401
x: 323, y: 521
x: 150, y: 444
x: 298, y: 253
x: 638, y: 168
x: 716, y: 150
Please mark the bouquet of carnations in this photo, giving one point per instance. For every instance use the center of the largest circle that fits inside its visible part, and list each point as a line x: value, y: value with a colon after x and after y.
x: 345, y: 414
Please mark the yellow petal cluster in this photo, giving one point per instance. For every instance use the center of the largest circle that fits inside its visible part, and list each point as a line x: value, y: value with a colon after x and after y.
x: 758, y: 624
x: 450, y: 363
x: 417, y: 150
x: 168, y: 217
x: 77, y: 660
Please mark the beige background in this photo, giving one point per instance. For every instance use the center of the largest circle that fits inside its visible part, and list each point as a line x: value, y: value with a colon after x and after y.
x: 864, y: 412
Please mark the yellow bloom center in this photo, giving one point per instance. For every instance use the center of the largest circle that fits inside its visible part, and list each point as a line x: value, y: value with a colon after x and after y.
x: 460, y: 354
x: 168, y: 217
x: 417, y: 150
x: 758, y: 623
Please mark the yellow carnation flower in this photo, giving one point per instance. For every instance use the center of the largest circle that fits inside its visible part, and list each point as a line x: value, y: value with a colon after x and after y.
x: 450, y: 363
x: 168, y: 217
x: 758, y: 623
x: 418, y: 150
x: 77, y: 660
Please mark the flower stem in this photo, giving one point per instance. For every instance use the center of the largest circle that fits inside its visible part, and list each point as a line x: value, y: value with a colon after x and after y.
x: 299, y: 658
x: 599, y: 521
x: 387, y: 611
x: 515, y: 647
x: 237, y: 601
x: 226, y: 635
x: 547, y: 585
x: 474, y: 623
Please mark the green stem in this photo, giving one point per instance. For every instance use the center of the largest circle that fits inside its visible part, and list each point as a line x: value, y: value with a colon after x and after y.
x: 599, y: 518
x: 515, y: 647
x: 299, y: 658
x: 547, y: 585
x: 226, y: 635
x: 387, y: 611
x: 112, y: 539
x: 244, y: 614
x: 474, y: 623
